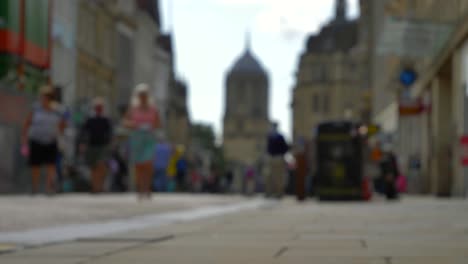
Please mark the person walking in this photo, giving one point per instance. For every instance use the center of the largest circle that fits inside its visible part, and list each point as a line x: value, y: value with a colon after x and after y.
x: 162, y: 157
x: 97, y: 136
x: 143, y: 120
x: 302, y: 169
x: 229, y: 179
x: 172, y: 169
x: 276, y: 148
x: 250, y: 181
x: 40, y: 135
x: 389, y: 173
x: 119, y: 170
x: 182, y: 168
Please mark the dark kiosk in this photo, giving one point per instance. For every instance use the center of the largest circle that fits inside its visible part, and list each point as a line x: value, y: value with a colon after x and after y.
x: 339, y: 161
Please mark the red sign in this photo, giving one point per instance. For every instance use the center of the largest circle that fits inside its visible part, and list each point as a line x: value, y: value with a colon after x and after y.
x: 410, y: 107
x: 464, y: 150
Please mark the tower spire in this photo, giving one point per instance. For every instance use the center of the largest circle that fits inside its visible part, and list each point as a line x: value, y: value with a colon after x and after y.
x: 248, y: 41
x: 341, y: 10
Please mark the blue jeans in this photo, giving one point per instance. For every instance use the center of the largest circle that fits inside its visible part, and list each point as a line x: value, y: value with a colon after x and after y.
x: 160, y: 180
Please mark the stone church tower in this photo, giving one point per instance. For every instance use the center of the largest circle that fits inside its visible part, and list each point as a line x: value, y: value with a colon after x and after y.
x: 246, y: 121
x: 330, y: 76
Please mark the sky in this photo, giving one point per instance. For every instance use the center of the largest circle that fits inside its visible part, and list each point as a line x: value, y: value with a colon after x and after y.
x: 210, y: 35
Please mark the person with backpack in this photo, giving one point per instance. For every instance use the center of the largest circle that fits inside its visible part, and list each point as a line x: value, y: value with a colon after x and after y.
x: 96, y: 137
x: 276, y: 149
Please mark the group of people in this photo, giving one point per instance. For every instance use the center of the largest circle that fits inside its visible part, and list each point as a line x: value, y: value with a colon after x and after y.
x: 45, y: 124
x: 158, y: 166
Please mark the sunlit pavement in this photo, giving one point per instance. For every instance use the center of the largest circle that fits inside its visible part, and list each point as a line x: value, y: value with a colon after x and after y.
x: 414, y: 230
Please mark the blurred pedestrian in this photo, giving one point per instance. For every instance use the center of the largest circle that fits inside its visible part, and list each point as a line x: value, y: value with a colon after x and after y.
x: 162, y: 157
x: 229, y: 180
x: 96, y: 136
x: 196, y: 181
x: 119, y: 171
x: 389, y: 173
x: 143, y: 120
x: 250, y: 181
x: 302, y: 169
x: 181, y: 166
x: 172, y: 169
x: 277, y: 148
x: 40, y: 135
x: 376, y: 159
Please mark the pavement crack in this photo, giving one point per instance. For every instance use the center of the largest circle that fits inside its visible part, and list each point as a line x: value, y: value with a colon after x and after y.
x: 363, y: 243
x: 123, y: 249
x: 280, y: 252
x: 388, y: 260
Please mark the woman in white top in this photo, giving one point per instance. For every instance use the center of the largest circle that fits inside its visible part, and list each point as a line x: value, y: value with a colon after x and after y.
x: 40, y: 133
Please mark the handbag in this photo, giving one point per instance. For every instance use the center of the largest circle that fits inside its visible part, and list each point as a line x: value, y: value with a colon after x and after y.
x: 401, y: 183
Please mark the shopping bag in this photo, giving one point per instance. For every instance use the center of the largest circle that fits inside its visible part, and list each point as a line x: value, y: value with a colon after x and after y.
x: 401, y: 184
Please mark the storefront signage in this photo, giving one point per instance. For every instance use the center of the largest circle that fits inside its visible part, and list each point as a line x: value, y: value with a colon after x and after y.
x: 409, y: 107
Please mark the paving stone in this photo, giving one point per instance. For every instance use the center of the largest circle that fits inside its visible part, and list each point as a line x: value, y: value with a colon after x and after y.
x: 430, y: 260
x: 42, y: 260
x: 413, y: 231
x: 73, y: 249
x: 297, y: 259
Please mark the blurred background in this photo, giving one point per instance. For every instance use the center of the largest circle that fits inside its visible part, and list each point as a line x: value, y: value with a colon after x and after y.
x: 221, y: 71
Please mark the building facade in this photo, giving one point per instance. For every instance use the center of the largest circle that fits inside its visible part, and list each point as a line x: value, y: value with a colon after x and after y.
x: 64, y: 50
x: 25, y: 62
x: 442, y: 84
x: 177, y: 114
x: 164, y: 73
x: 246, y: 120
x: 424, y: 122
x: 145, y: 40
x: 329, y: 78
x: 96, y: 34
x: 126, y: 27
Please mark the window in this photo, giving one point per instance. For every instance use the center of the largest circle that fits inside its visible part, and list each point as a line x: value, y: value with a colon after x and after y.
x: 89, y: 25
x: 257, y: 110
x: 240, y: 126
x: 240, y: 94
x: 326, y: 103
x: 315, y: 103
x: 317, y: 73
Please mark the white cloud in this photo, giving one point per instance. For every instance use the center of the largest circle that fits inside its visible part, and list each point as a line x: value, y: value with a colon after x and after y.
x: 290, y: 18
x: 242, y: 2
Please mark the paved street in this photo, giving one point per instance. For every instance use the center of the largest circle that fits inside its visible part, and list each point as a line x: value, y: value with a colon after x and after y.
x: 25, y: 212
x: 416, y: 230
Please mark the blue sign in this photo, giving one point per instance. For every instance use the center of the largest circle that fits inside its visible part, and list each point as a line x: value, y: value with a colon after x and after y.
x: 408, y: 77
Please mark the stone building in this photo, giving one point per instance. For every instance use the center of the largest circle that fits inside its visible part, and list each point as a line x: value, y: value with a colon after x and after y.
x: 442, y: 87
x: 126, y: 27
x: 329, y: 77
x: 64, y: 50
x: 145, y: 40
x: 177, y: 114
x: 96, y: 52
x: 427, y: 120
x: 119, y: 47
x: 246, y: 119
x: 164, y: 73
